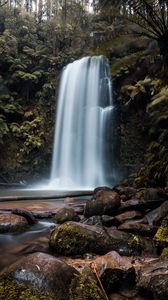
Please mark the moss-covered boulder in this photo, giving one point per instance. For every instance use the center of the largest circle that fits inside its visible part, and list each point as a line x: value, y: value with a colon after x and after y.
x: 86, y: 287
x: 12, y: 223
x: 165, y: 252
x: 9, y: 290
x: 73, y: 238
x: 161, y: 236
x: 42, y: 272
x: 66, y: 214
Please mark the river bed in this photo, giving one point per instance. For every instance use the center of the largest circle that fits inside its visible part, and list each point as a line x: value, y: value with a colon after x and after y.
x: 36, y: 237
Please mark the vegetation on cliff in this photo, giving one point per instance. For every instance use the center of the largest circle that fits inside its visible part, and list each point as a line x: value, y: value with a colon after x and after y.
x: 32, y: 54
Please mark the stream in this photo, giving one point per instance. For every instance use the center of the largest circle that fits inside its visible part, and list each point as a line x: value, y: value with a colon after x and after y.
x: 15, y: 245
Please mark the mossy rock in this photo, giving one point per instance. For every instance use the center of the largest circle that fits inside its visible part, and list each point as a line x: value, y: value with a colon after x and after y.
x: 161, y: 236
x: 45, y: 276
x: 73, y: 238
x: 9, y: 290
x: 165, y: 252
x: 85, y: 287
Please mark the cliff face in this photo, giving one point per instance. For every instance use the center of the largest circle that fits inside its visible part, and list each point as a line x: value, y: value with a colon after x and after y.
x: 141, y: 101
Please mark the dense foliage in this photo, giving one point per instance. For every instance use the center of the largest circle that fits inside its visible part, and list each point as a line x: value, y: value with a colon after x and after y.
x: 32, y: 53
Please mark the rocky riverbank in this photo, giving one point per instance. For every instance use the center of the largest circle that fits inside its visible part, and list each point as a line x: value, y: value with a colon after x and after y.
x: 114, y: 246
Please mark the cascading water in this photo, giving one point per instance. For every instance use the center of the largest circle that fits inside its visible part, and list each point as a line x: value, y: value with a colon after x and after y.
x: 84, y: 108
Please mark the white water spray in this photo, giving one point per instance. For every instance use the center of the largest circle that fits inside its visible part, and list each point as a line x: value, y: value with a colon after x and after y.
x: 84, y: 107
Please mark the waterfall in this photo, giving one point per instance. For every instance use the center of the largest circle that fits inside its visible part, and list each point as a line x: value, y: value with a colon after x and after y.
x: 84, y: 108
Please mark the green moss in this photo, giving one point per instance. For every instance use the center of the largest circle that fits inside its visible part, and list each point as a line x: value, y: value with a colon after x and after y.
x: 165, y: 253
x: 136, y: 243
x: 9, y: 290
x: 69, y: 239
x: 85, y: 287
x: 123, y: 65
x: 161, y: 236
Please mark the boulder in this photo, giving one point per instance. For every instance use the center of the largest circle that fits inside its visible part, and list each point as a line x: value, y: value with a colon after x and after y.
x: 127, y: 191
x: 115, y: 272
x: 153, y: 279
x: 151, y: 194
x: 108, y: 221
x: 86, y: 287
x: 12, y: 223
x: 100, y: 221
x: 73, y: 238
x: 104, y: 202
x: 128, y: 215
x: 79, y: 208
x: 66, y: 214
x: 26, y: 214
x: 161, y: 236
x: 95, y: 220
x: 112, y: 260
x: 151, y: 215
x: 139, y: 204
x: 161, y: 214
x: 42, y: 272
x: 137, y: 227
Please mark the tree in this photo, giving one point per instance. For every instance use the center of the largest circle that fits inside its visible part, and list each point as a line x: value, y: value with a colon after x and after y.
x: 151, y: 18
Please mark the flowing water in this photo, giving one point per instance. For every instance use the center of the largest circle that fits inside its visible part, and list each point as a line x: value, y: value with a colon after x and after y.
x: 36, y: 237
x: 80, y: 152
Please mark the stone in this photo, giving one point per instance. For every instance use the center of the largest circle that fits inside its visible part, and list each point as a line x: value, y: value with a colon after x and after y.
x: 86, y: 286
x: 127, y: 191
x: 129, y: 215
x: 115, y: 272
x: 151, y: 194
x: 79, y: 208
x: 66, y: 214
x: 95, y: 220
x: 26, y: 214
x: 12, y: 223
x: 151, y: 216
x: 100, y: 221
x: 108, y: 221
x: 165, y: 252
x: 42, y: 272
x: 139, y: 204
x: 112, y: 260
x: 161, y: 214
x: 137, y: 227
x: 104, y: 202
x: 73, y: 238
x: 153, y: 279
x: 161, y: 236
